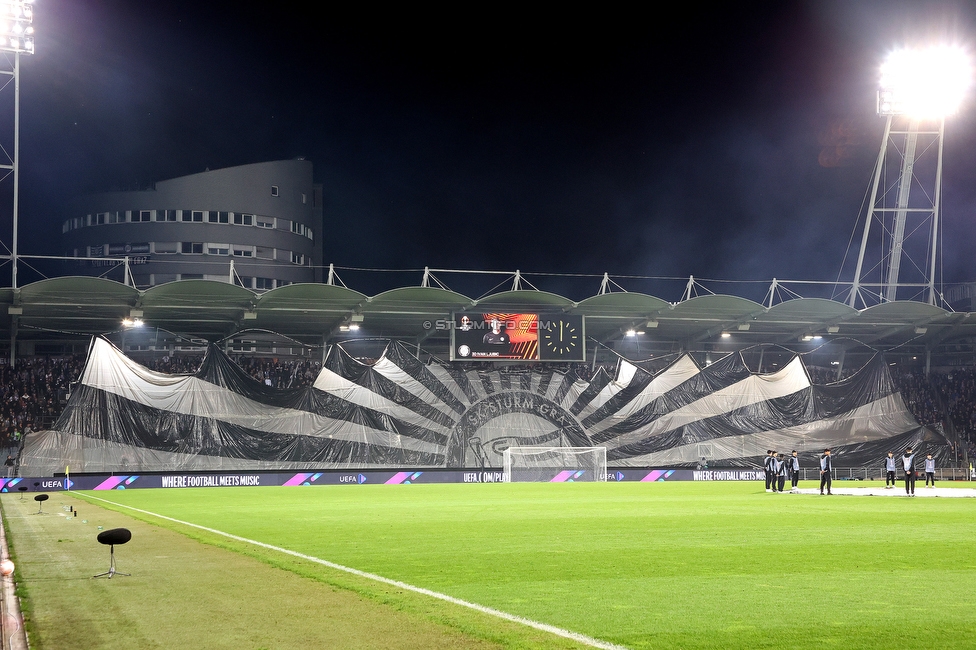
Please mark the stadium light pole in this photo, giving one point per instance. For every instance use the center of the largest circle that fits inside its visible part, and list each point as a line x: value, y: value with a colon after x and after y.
x: 918, y: 90
x: 16, y: 37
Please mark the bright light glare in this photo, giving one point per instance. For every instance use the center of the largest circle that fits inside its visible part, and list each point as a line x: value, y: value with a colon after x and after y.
x: 16, y: 32
x: 725, y: 335
x: 631, y: 333
x: 927, y: 83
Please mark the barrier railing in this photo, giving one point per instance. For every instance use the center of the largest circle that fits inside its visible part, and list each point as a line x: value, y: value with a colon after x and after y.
x: 875, y: 474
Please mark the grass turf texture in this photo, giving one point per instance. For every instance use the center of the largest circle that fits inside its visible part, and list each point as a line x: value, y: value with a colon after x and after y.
x: 186, y: 594
x: 690, y: 565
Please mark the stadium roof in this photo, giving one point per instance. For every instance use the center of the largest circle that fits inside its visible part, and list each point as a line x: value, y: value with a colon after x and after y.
x: 314, y: 313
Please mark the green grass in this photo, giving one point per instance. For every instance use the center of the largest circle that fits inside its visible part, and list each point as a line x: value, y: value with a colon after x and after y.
x: 691, y: 565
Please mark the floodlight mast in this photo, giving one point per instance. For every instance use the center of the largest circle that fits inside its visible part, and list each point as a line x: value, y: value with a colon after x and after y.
x: 918, y: 89
x: 16, y: 37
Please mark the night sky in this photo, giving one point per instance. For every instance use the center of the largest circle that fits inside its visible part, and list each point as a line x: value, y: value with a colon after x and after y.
x: 734, y: 143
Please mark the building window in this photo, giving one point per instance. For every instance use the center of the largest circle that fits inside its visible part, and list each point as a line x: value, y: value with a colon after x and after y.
x: 166, y: 247
x: 217, y: 217
x: 166, y: 215
x: 265, y: 222
x: 243, y: 251
x: 191, y: 276
x: 297, y: 258
x: 218, y: 249
x: 301, y: 229
x: 245, y: 281
x: 191, y: 248
x: 142, y: 215
x: 264, y: 283
x: 274, y: 190
x: 243, y: 219
x: 100, y: 218
x: 264, y: 252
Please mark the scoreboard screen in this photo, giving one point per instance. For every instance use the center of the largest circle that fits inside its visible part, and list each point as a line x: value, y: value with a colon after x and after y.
x: 519, y: 337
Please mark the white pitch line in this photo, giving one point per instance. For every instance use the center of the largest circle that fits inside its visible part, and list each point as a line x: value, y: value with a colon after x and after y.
x: 545, y: 627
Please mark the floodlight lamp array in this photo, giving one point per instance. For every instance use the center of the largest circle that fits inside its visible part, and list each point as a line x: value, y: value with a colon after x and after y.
x: 929, y: 83
x: 16, y: 29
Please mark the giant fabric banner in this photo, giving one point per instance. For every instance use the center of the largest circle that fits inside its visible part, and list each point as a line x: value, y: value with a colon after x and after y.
x: 399, y: 412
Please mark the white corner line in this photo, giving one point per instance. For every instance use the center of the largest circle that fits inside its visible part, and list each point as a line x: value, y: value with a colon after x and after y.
x: 551, y: 629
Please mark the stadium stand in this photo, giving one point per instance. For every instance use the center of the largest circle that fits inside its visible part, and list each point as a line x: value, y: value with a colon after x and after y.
x: 35, y: 391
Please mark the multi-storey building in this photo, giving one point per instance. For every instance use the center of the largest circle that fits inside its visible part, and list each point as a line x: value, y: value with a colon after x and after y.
x: 257, y: 225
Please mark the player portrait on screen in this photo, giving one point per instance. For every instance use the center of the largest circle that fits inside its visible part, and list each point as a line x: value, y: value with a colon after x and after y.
x: 495, y: 336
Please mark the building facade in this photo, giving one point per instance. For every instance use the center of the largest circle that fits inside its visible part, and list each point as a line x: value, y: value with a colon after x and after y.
x: 258, y: 225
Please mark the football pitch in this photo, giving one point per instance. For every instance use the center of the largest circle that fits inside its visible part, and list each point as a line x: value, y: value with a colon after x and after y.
x: 639, y: 565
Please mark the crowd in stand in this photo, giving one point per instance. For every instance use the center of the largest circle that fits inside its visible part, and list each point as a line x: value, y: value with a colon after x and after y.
x: 943, y: 398
x: 270, y: 372
x: 821, y: 376
x: 34, y: 392
x: 281, y: 374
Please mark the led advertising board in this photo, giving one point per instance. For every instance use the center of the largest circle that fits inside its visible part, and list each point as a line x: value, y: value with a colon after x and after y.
x: 505, y: 336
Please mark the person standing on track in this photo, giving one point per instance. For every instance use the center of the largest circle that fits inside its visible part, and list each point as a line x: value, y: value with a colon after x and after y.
x: 890, y: 469
x: 929, y: 471
x: 825, y: 470
x: 908, y: 462
x: 793, y: 462
x: 781, y: 470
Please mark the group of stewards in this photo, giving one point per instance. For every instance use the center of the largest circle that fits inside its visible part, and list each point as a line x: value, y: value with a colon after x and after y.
x: 779, y: 468
x: 908, y: 465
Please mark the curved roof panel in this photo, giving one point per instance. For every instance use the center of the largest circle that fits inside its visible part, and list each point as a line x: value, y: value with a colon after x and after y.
x: 621, y: 304
x: 74, y: 304
x: 716, y: 308
x: 525, y: 299
x: 60, y: 291
x: 418, y: 299
x: 900, y: 311
x: 304, y: 296
x: 191, y: 292
x: 810, y: 309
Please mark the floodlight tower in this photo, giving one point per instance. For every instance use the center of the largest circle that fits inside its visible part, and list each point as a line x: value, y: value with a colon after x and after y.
x: 16, y: 38
x: 918, y: 89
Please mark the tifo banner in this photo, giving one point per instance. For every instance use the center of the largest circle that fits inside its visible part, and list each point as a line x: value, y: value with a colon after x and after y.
x: 399, y: 413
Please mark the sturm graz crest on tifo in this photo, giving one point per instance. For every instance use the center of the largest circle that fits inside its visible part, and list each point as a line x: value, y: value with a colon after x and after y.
x: 468, y: 448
